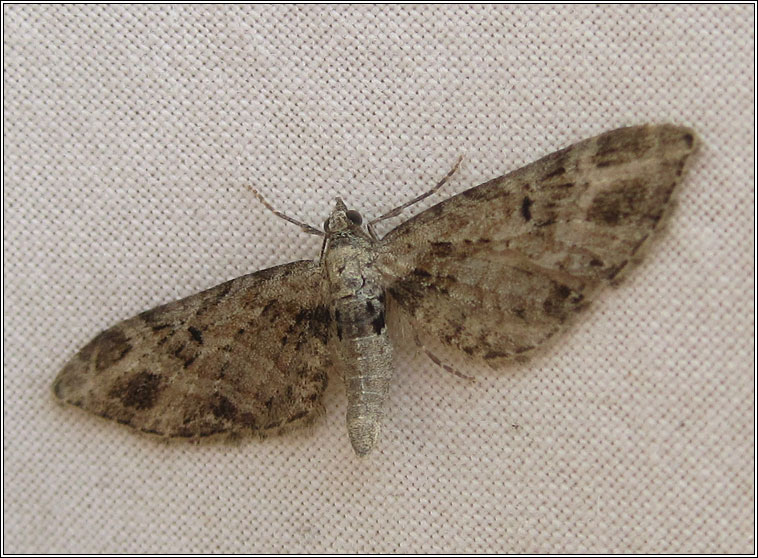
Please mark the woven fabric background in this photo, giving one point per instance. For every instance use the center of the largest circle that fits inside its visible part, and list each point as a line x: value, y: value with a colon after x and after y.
x: 129, y: 135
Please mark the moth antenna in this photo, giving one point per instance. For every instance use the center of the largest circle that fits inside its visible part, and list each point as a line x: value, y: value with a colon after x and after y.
x: 323, y: 250
x: 303, y: 226
x: 395, y: 212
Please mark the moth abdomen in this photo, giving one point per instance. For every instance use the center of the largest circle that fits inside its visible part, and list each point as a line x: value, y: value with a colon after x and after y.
x: 366, y: 353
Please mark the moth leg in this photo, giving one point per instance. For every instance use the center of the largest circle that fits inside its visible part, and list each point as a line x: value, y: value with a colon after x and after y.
x: 303, y: 226
x: 439, y: 363
x: 395, y: 212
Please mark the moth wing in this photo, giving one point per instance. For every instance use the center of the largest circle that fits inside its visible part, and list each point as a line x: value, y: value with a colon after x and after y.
x: 499, y: 268
x: 249, y: 355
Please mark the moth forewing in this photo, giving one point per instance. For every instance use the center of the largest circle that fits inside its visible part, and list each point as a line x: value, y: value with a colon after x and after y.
x: 498, y: 269
x: 212, y: 363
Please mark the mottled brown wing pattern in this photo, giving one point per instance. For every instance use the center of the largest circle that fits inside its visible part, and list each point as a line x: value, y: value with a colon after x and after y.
x: 212, y: 363
x: 498, y: 269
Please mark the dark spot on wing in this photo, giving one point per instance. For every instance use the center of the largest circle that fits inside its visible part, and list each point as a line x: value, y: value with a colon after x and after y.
x: 621, y: 146
x: 526, y: 211
x: 408, y: 293
x: 440, y: 289
x: 111, y: 346
x: 557, y: 171
x: 197, y: 335
x: 555, y: 305
x: 303, y: 315
x: 140, y: 392
x: 321, y: 315
x: 187, y: 354
x: 477, y: 241
x: 411, y: 290
x: 269, y: 307
x: 495, y: 354
x: 338, y: 321
x: 223, y: 408
x: 418, y: 272
x: 562, y: 291
x: 320, y: 321
x: 624, y: 199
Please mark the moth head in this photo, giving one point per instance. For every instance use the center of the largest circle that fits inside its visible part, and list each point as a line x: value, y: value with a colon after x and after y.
x: 342, y: 219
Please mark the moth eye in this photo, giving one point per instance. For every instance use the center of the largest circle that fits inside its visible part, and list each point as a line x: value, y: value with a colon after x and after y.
x: 354, y: 216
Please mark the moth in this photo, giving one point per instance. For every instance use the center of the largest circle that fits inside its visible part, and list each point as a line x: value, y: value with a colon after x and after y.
x: 492, y: 272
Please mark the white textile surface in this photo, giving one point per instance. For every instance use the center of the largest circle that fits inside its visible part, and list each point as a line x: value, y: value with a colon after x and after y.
x: 130, y: 134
